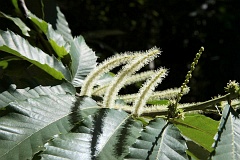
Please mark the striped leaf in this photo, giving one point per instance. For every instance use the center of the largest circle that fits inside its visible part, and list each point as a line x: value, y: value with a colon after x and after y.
x: 227, y: 139
x: 160, y: 140
x: 106, y: 135
x: 30, y: 123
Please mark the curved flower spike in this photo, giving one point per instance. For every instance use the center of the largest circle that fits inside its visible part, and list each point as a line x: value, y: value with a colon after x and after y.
x: 105, y: 67
x: 130, y: 80
x: 129, y: 69
x: 147, y: 89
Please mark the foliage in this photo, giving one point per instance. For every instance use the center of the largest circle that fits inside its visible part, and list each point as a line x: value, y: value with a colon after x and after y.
x: 178, y: 27
x: 74, y: 110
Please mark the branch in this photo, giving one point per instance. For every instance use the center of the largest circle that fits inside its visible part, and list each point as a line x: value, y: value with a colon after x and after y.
x: 199, y: 106
x: 23, y: 8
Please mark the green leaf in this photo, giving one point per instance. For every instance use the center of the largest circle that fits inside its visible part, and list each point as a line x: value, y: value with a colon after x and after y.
x: 199, y: 128
x: 57, y: 42
x: 18, y: 22
x: 160, y: 140
x: 158, y: 102
x: 59, y: 45
x: 18, y: 46
x: 107, y: 135
x: 42, y: 25
x: 62, y: 26
x: 15, y: 4
x: 13, y: 94
x: 83, y: 60
x: 227, y: 139
x: 33, y: 122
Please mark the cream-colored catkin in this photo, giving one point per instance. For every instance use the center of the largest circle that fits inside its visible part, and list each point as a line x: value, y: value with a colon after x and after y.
x: 165, y: 94
x: 147, y: 89
x: 129, y: 69
x: 102, y: 68
x: 99, y: 91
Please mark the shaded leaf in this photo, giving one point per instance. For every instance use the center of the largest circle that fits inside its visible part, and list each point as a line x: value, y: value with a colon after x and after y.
x: 18, y: 22
x: 33, y: 122
x: 227, y: 145
x: 199, y: 128
x: 62, y: 26
x: 4, y: 64
x: 83, y: 60
x: 160, y: 140
x: 4, y: 61
x: 107, y: 135
x: 196, y: 151
x: 16, y: 45
x: 15, y: 4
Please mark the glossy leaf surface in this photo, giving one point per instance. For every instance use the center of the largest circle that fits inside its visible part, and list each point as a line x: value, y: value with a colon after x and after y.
x: 18, y: 46
x: 227, y: 145
x: 106, y: 135
x: 160, y: 140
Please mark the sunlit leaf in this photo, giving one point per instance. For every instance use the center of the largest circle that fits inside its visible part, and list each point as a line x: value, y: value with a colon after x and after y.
x: 18, y: 46
x: 13, y: 94
x: 83, y: 60
x: 57, y: 42
x: 62, y: 26
x: 199, y: 128
x: 59, y: 45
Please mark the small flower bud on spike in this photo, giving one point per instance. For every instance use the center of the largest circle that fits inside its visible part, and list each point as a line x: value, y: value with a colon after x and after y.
x: 188, y: 76
x: 232, y: 87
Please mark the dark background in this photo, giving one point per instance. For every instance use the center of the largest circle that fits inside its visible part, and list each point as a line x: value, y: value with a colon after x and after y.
x: 179, y: 28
